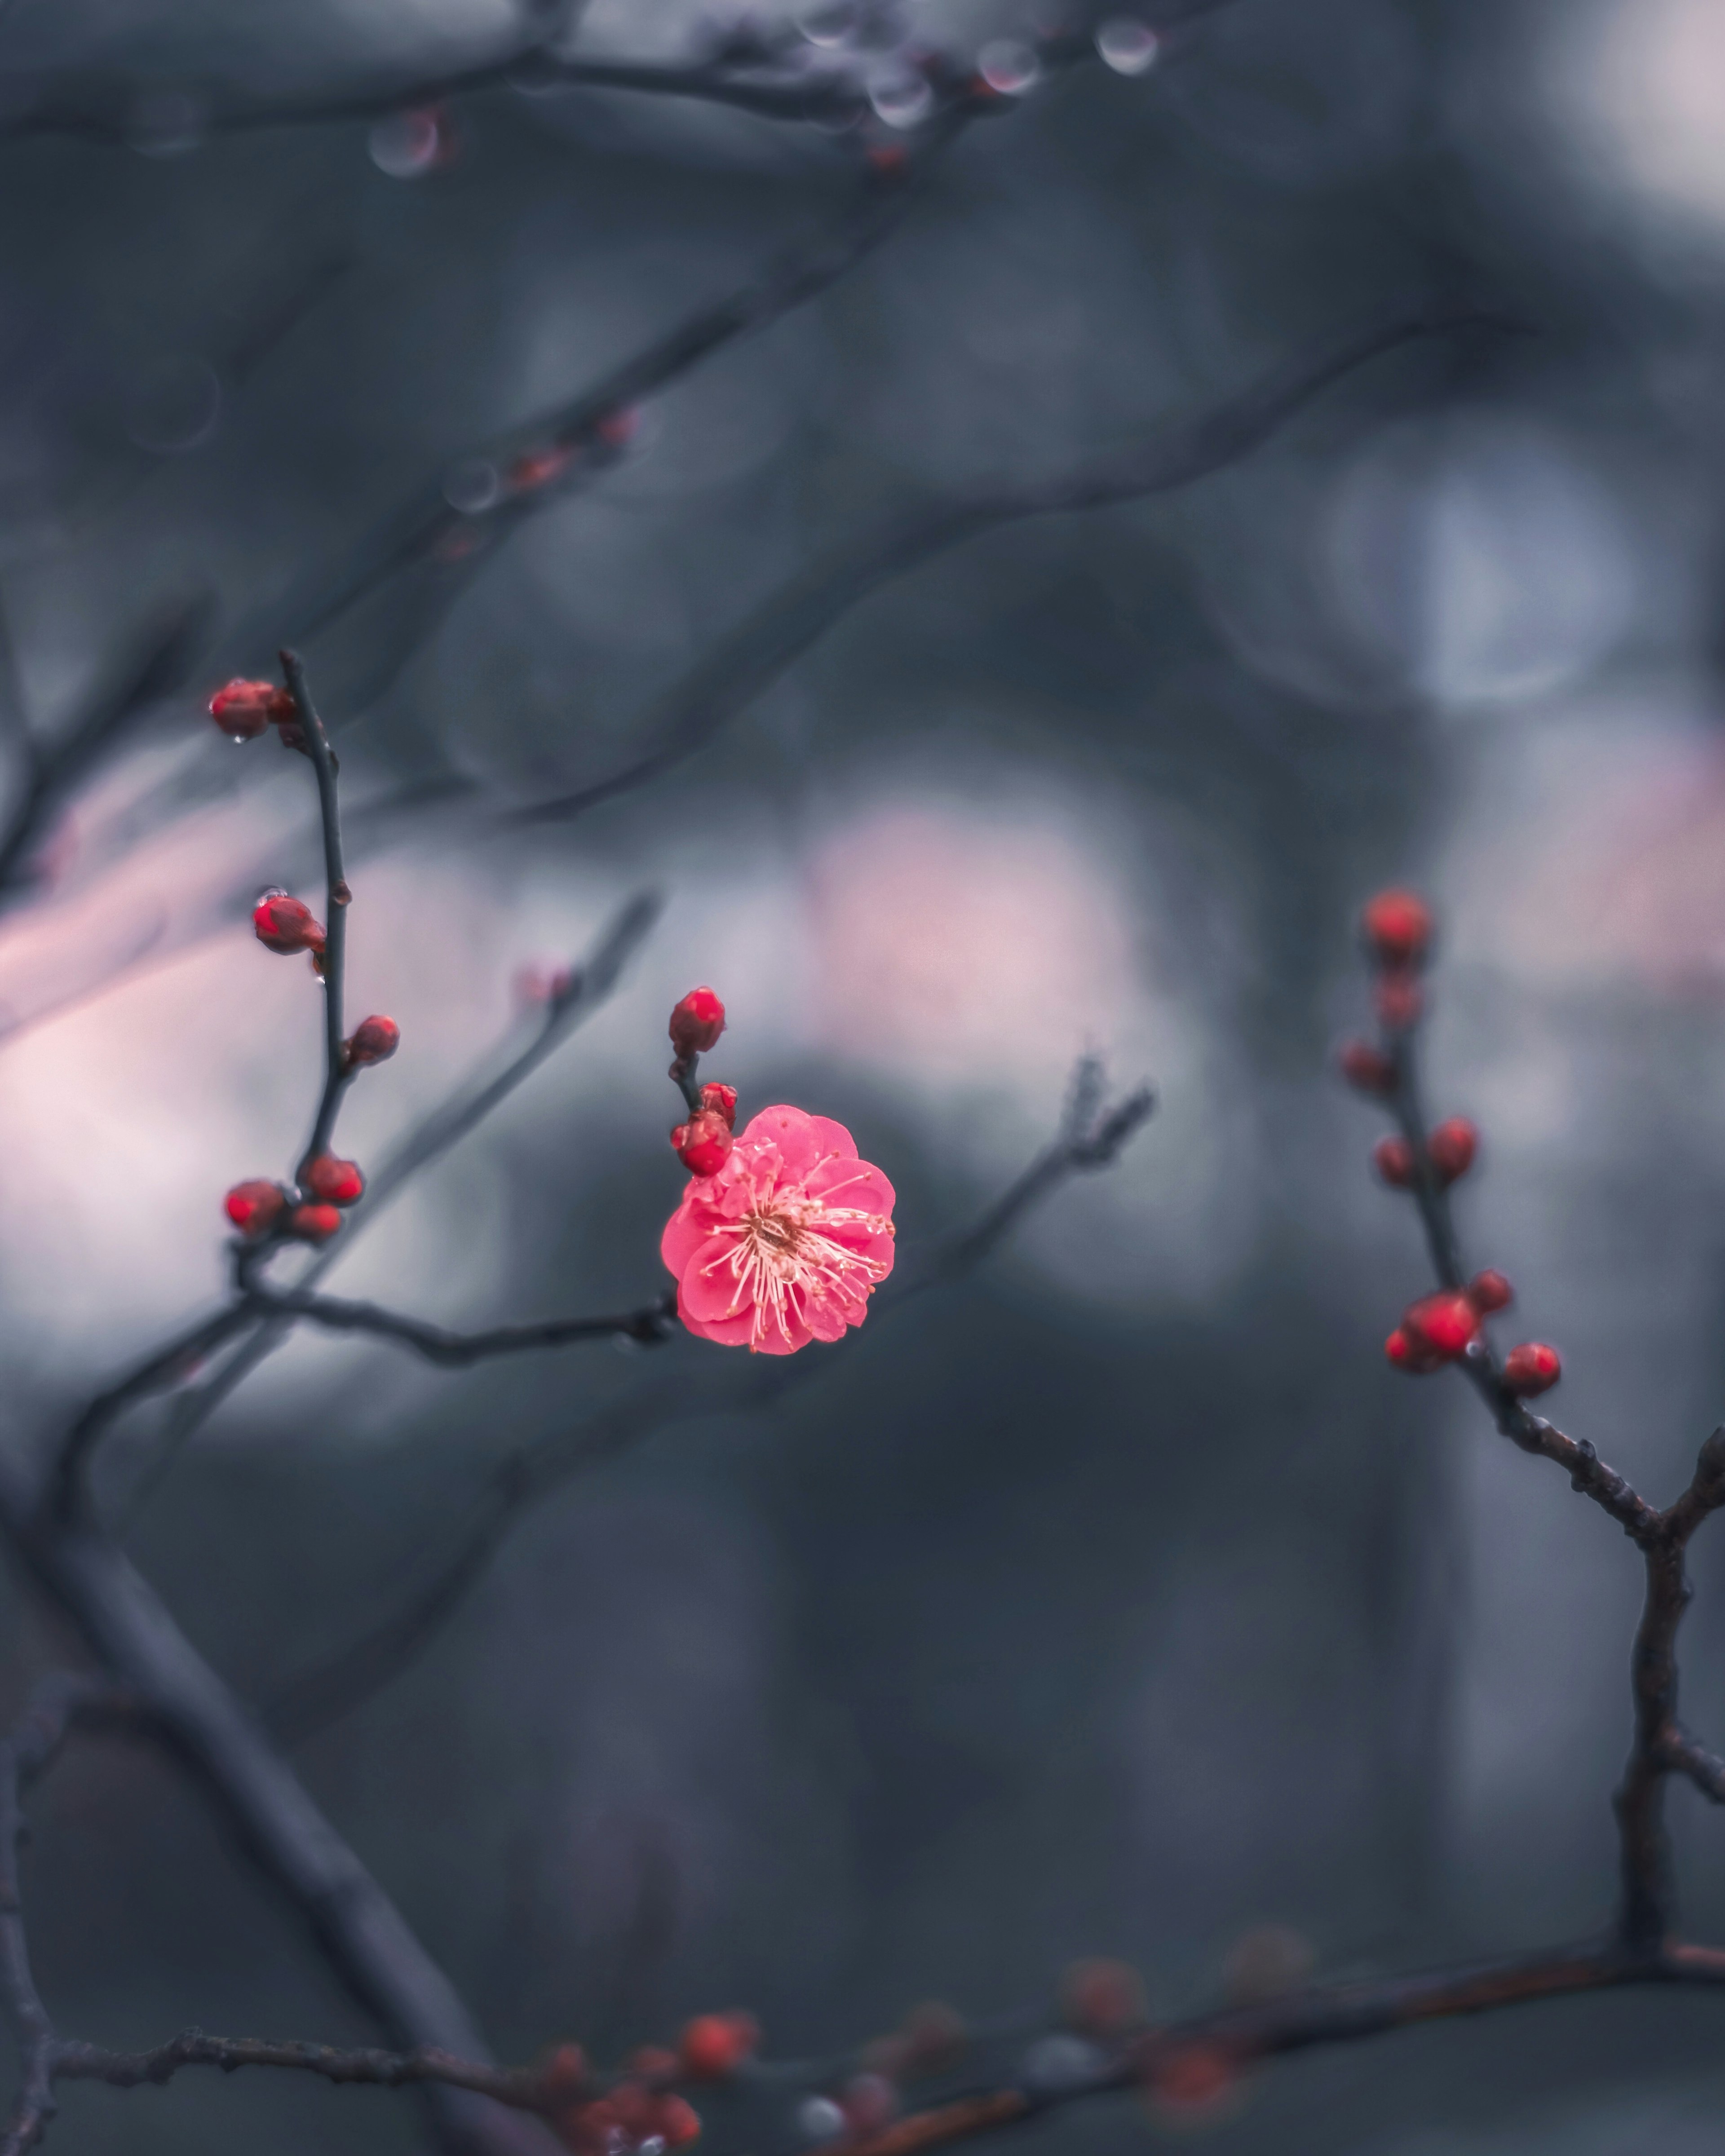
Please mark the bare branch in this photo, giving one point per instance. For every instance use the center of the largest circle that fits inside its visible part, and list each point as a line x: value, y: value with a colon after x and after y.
x: 769, y: 640
x: 161, y: 657
x: 579, y: 995
x: 647, y: 1327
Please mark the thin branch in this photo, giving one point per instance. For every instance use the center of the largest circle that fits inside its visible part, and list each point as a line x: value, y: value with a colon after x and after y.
x: 375, y: 2069
x: 539, y: 462
x: 1660, y: 1745
x: 580, y: 992
x: 338, y: 1075
x: 1091, y: 1136
x: 770, y: 639
x: 25, y: 1755
x: 647, y: 1326
x: 161, y: 657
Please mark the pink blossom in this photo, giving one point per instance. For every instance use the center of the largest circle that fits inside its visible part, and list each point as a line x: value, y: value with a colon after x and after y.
x: 786, y: 1242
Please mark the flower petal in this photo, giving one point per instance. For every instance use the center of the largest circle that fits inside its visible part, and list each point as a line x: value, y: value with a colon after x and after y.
x: 854, y: 1184
x: 708, y: 1287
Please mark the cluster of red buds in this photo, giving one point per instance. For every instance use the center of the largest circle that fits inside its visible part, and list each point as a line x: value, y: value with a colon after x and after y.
x: 312, y: 1215
x: 246, y: 709
x: 1396, y: 927
x: 703, y: 1143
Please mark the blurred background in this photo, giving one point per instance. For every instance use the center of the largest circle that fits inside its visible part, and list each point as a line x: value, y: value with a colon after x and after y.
x: 1117, y: 1599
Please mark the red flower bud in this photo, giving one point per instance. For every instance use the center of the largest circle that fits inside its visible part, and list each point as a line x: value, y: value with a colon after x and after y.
x: 284, y: 925
x: 1398, y: 999
x: 373, y: 1040
x: 618, y: 427
x: 1397, y: 927
x: 712, y: 2046
x: 255, y: 1207
x: 704, y: 1142
x: 1490, y: 1290
x: 1393, y: 1160
x: 1416, y: 1357
x: 313, y: 1224
x: 337, y: 1181
x: 1531, y: 1368
x: 869, y: 2102
x: 244, y: 709
x: 1452, y: 1146
x: 675, y: 2123
x: 1445, y: 1321
x: 1197, y: 2078
x: 1366, y: 1069
x: 720, y: 1100
x: 565, y: 2072
x: 696, y: 1023
x: 1101, y: 1998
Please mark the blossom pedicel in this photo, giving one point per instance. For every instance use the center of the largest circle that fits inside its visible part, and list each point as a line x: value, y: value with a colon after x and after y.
x: 785, y: 1241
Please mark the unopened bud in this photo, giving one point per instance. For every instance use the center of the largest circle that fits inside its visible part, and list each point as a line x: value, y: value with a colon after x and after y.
x: 335, y: 1182
x: 1366, y: 1069
x: 1101, y: 1998
x: 704, y: 1142
x: 1531, y: 1368
x: 372, y: 1040
x: 712, y: 2046
x: 284, y: 925
x: 720, y: 1100
x: 565, y: 2072
x: 1445, y: 1322
x: 1452, y: 1147
x: 255, y: 1207
x: 1398, y: 998
x: 696, y: 1023
x: 313, y: 1224
x: 1194, y: 2079
x: 1490, y: 1290
x: 1393, y: 1160
x: 1397, y: 928
x: 1414, y: 1357
x: 244, y: 709
x: 675, y: 2123
x: 869, y: 2102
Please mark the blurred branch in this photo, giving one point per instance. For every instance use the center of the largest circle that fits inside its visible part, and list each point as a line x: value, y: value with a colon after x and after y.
x: 765, y: 69
x: 574, y: 999
x: 778, y: 632
x: 1091, y: 1137
x: 161, y: 658
x: 646, y: 1326
x: 57, y: 1706
x: 338, y: 1072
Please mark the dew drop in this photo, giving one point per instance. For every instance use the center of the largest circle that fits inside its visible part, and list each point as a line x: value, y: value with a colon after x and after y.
x: 472, y: 485
x: 407, y: 144
x: 901, y: 97
x: 820, y: 2118
x: 1009, y: 65
x: 1127, y: 45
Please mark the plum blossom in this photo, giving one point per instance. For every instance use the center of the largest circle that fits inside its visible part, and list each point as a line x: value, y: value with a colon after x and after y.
x: 786, y: 1242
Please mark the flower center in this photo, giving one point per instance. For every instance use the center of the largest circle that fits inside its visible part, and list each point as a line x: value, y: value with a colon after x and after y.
x: 781, y: 1261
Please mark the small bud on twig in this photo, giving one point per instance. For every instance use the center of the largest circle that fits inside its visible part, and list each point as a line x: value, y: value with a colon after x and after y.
x: 1451, y: 1147
x: 313, y: 1224
x: 335, y: 1182
x: 1531, y: 1368
x: 373, y: 1040
x: 1445, y: 1322
x: 255, y: 1207
x: 720, y: 1100
x: 704, y: 1142
x: 712, y: 2046
x: 1490, y: 1290
x: 1366, y: 1069
x: 285, y: 925
x: 1397, y: 928
x: 246, y: 709
x: 696, y: 1023
x: 1393, y: 1160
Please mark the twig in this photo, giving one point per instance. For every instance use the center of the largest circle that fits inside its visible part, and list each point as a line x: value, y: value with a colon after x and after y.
x: 333, y: 970
x: 647, y: 1326
x: 779, y: 631
x: 578, y: 996
x: 25, y: 1755
x: 1660, y: 1745
x: 162, y: 656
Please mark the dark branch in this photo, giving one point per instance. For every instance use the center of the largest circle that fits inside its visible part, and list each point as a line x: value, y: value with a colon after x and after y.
x: 337, y: 1075
x: 778, y: 632
x: 160, y: 660
x: 647, y: 1326
x: 581, y: 993
x: 25, y: 1756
